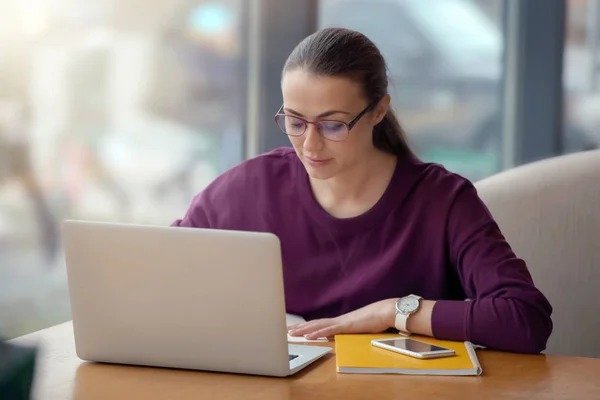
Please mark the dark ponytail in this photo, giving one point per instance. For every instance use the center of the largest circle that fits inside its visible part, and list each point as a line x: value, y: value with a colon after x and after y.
x: 389, y: 136
x: 343, y: 52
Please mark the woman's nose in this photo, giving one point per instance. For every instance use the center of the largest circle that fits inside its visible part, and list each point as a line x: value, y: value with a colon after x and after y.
x: 313, y: 140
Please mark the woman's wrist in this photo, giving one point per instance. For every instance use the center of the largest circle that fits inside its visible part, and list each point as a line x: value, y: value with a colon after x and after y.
x: 389, y: 312
x: 418, y: 322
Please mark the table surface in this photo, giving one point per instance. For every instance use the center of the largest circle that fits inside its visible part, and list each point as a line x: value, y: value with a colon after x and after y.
x: 60, y: 374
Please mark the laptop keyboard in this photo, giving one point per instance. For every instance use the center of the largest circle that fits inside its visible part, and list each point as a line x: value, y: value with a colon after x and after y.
x: 292, y: 357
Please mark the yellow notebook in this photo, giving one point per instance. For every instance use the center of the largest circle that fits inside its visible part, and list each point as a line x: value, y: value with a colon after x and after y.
x: 356, y: 354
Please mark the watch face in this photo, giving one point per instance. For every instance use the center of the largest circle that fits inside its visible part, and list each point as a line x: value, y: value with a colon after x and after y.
x: 408, y: 305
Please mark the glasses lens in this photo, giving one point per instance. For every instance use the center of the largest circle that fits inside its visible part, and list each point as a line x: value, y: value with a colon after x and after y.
x: 291, y: 125
x: 333, y: 130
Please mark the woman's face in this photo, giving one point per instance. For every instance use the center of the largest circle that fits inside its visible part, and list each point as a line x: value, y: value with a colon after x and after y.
x: 318, y: 98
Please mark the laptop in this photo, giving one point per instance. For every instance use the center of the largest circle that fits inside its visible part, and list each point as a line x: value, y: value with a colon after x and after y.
x: 188, y: 298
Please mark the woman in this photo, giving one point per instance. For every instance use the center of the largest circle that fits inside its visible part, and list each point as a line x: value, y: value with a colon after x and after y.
x: 372, y: 238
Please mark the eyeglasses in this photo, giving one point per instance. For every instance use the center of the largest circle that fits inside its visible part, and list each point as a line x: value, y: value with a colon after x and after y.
x: 329, y: 129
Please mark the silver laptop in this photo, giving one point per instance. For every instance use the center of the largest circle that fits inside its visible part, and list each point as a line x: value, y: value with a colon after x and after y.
x: 187, y: 298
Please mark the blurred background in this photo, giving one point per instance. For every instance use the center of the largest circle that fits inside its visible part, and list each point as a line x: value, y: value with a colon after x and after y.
x: 124, y: 110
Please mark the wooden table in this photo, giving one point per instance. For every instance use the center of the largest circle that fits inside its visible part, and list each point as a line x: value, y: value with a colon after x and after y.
x: 61, y: 375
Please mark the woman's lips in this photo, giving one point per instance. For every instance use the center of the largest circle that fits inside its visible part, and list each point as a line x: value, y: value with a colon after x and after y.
x: 316, y: 162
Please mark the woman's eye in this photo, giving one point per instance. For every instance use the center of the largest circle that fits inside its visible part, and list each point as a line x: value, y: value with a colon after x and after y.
x: 332, y: 126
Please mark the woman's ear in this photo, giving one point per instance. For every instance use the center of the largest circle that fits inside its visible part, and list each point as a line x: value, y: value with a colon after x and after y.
x: 381, y: 109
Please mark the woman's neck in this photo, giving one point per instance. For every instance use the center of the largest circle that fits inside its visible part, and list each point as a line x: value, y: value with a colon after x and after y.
x: 357, y: 190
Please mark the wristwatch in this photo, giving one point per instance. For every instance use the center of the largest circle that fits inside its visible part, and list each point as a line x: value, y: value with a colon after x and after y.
x: 405, y: 306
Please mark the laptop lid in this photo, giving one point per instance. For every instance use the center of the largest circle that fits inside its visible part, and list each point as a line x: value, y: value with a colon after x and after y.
x: 177, y: 297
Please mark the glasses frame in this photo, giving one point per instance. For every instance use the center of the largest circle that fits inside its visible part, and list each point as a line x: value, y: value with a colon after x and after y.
x: 349, y: 125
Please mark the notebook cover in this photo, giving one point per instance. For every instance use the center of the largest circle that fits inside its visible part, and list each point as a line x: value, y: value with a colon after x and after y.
x: 356, y: 354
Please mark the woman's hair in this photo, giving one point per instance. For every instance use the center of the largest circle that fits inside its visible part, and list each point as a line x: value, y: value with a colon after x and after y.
x: 343, y: 52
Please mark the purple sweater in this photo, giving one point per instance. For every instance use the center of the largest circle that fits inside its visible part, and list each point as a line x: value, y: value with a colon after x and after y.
x: 429, y: 235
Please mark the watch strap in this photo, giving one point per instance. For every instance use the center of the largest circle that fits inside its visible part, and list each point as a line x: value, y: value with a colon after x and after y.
x: 401, y: 320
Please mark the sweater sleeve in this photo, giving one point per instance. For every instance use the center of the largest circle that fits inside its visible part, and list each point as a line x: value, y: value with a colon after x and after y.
x: 506, y: 311
x: 197, y: 214
x: 221, y: 205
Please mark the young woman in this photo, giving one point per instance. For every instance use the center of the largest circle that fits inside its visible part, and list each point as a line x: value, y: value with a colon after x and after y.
x: 372, y: 238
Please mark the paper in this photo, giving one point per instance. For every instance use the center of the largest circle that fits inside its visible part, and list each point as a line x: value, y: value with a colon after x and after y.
x: 292, y: 319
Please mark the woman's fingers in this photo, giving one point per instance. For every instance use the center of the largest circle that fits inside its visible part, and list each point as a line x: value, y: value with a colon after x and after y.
x: 310, y: 327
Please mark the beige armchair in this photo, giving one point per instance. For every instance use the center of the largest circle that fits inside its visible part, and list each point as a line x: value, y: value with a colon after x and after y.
x: 549, y: 211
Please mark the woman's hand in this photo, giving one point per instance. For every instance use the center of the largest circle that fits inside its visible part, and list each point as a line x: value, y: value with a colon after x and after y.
x: 374, y: 318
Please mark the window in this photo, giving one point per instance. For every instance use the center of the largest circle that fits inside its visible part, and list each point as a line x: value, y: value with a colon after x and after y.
x: 107, y: 112
x: 445, y: 61
x: 581, y: 78
x: 449, y: 22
